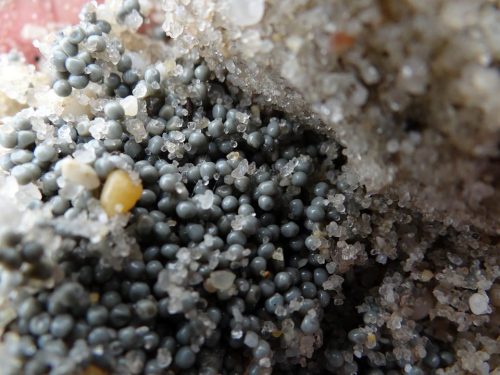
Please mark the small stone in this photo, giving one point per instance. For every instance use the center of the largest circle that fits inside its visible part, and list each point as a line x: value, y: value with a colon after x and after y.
x: 426, y: 276
x: 133, y: 20
x: 136, y: 128
x: 80, y: 174
x: 221, y: 280
x: 120, y: 193
x: 140, y: 90
x: 245, y: 13
x: 206, y: 199
x: 130, y: 105
x: 478, y: 304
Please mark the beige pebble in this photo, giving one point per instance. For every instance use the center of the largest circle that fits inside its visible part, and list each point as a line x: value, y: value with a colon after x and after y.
x: 221, y: 280
x: 426, y: 276
x: 120, y: 193
x: 130, y: 105
x: 495, y: 295
x: 80, y: 174
x: 478, y: 303
x: 422, y: 306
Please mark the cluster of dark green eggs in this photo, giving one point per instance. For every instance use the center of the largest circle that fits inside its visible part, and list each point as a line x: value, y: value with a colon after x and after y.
x: 76, y: 68
x: 244, y: 198
x: 26, y: 160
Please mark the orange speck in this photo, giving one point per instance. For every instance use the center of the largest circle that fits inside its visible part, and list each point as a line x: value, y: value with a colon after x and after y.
x: 94, y: 370
x: 341, y: 41
x: 276, y: 333
x: 371, y: 340
x: 94, y: 297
